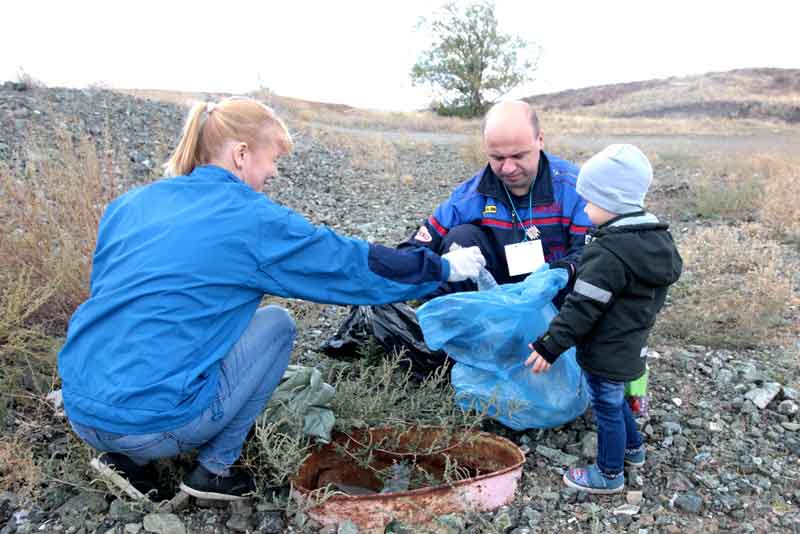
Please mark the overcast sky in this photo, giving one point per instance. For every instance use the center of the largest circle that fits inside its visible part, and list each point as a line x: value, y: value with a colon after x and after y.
x: 360, y: 52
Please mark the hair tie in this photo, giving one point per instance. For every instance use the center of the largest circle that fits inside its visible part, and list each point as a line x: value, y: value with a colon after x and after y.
x: 210, y: 107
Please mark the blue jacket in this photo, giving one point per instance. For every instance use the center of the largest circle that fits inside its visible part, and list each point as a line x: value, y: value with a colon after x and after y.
x: 557, y: 212
x: 180, y: 268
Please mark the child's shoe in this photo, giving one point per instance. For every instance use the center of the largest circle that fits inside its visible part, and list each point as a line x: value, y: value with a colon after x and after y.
x: 591, y: 480
x: 635, y: 457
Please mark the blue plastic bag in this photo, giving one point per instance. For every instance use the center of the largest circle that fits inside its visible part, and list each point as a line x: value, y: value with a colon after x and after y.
x: 487, y: 333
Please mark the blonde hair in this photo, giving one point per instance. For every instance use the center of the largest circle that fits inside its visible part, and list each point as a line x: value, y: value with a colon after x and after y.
x: 209, y: 126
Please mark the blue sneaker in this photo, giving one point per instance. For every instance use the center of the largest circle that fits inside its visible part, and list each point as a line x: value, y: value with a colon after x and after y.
x: 591, y: 480
x: 635, y: 457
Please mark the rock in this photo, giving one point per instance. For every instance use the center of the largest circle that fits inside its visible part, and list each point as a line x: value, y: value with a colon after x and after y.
x: 161, y: 523
x: 688, y: 502
x: 119, y: 511
x: 626, y: 509
x: 671, y: 428
x: 634, y: 497
x: 589, y: 445
x: 557, y: 456
x: 452, y: 522
x: 8, y: 503
x: 788, y: 407
x: 677, y: 402
x: 238, y: 522
x: 271, y: 523
x: 679, y: 482
x: 762, y: 396
x: 132, y: 528
x: 91, y: 502
x: 792, y: 427
x: 502, y: 520
x: 791, y: 394
x: 347, y: 527
x: 531, y: 516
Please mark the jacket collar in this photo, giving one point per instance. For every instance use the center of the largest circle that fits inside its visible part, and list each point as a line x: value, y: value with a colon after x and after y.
x: 491, y: 186
x: 214, y: 172
x: 631, y: 219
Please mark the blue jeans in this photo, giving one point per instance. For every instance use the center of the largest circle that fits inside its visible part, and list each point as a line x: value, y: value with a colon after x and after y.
x: 249, y: 373
x: 616, y: 428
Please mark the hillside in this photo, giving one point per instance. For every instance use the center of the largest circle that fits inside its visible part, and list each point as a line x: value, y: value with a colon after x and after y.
x: 723, y: 432
x: 765, y: 94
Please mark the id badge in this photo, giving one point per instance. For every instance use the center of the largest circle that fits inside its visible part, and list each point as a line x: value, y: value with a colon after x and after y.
x: 525, y: 257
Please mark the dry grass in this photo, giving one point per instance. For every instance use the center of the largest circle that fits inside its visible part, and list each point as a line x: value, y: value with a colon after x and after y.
x: 730, y: 190
x: 473, y: 152
x: 734, y: 291
x: 19, y: 472
x: 780, y: 208
x: 48, y: 223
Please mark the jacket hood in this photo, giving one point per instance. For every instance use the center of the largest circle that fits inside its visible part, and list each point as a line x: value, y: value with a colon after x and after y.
x: 645, y: 245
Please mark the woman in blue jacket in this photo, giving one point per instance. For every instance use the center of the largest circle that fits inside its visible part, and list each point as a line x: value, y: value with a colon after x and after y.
x: 171, y: 352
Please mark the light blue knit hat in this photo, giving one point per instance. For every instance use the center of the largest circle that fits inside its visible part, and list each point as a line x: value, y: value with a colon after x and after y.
x: 616, y: 179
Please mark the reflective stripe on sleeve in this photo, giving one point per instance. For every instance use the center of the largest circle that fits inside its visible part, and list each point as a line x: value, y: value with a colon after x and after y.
x: 593, y: 292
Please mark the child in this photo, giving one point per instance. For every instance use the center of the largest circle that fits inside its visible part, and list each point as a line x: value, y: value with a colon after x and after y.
x: 627, y: 265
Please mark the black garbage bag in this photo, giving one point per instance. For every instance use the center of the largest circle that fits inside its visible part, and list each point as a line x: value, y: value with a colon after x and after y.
x: 395, y: 328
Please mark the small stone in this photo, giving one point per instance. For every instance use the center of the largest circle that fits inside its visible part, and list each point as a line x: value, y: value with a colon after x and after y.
x: 679, y: 482
x: 762, y: 396
x: 452, y: 522
x: 671, y: 428
x: 715, y: 426
x: 677, y: 402
x: 788, y: 407
x: 557, y: 456
x: 688, y: 502
x: 626, y: 509
x: 589, y: 445
x: 238, y: 522
x: 634, y: 497
x: 347, y: 527
x: 121, y: 512
x: 791, y: 394
x: 132, y: 528
x: 502, y: 520
x: 271, y: 523
x: 163, y: 524
x: 791, y: 427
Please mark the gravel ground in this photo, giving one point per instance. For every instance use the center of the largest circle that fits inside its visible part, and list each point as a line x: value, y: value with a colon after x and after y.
x: 723, y: 433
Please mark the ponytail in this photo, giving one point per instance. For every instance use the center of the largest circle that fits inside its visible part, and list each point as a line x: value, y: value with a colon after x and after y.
x: 208, y: 127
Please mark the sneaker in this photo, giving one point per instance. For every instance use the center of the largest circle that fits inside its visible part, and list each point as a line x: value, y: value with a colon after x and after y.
x: 591, y: 480
x: 136, y: 481
x: 203, y: 484
x: 635, y: 457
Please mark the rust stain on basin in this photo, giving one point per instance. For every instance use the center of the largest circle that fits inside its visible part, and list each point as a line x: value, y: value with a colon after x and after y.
x: 493, y: 463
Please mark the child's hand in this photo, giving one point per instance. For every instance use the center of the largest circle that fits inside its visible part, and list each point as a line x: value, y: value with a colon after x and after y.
x: 540, y: 365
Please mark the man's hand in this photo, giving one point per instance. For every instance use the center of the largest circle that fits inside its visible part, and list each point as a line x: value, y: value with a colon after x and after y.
x: 464, y: 263
x: 540, y: 365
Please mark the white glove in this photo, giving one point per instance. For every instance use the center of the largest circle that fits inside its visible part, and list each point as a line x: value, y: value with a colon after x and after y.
x: 465, y: 263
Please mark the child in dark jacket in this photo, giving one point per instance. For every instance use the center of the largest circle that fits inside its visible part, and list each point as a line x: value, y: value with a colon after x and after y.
x: 628, y: 263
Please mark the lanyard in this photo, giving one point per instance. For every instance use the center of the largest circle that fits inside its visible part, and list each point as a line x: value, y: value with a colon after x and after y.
x: 514, y: 209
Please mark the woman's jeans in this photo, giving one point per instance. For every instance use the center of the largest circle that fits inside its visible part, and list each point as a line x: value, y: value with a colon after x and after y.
x: 249, y: 373
x: 616, y: 428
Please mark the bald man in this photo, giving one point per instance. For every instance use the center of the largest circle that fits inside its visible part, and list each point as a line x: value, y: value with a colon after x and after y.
x: 522, y: 209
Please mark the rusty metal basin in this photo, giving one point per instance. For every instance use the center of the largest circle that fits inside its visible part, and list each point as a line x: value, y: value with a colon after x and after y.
x: 494, y: 465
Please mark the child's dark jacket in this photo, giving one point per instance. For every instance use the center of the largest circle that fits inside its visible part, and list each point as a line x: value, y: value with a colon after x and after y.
x: 627, y: 265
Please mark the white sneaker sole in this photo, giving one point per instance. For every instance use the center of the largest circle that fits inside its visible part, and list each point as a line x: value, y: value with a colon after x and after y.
x: 210, y: 495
